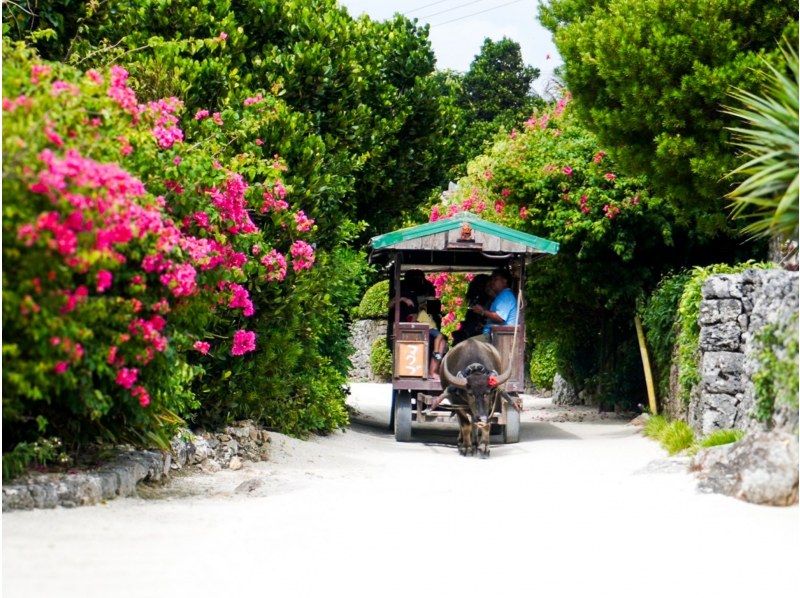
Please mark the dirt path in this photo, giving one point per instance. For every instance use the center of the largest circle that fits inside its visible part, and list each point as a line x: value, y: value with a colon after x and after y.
x: 575, y: 507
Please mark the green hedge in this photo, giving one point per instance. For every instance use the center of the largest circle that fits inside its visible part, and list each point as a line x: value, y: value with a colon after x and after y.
x: 375, y: 302
x: 380, y: 359
x: 543, y: 364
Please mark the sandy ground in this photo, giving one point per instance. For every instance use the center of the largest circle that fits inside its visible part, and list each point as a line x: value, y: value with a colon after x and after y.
x: 582, y: 504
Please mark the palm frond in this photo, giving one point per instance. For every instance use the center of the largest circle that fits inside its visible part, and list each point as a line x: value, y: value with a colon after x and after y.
x: 768, y: 138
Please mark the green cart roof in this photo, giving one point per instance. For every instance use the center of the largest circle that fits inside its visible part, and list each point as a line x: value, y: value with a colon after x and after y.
x: 391, y: 240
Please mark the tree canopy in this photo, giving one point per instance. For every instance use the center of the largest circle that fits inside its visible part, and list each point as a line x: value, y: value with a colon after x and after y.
x: 650, y: 76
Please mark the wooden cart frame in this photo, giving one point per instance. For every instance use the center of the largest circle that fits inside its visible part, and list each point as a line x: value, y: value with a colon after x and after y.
x: 463, y: 243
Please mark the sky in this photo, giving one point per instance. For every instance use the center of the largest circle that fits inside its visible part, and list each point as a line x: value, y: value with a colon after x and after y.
x: 457, y: 42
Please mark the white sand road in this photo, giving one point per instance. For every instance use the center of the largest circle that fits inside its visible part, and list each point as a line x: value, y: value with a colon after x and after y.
x: 576, y: 508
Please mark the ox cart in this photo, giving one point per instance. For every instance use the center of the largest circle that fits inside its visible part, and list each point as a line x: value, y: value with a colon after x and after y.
x: 463, y: 243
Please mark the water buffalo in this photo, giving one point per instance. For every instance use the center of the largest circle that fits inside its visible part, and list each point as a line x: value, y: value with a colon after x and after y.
x: 474, y: 389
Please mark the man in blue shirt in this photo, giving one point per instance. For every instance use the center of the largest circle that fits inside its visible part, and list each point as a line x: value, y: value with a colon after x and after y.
x: 503, y: 310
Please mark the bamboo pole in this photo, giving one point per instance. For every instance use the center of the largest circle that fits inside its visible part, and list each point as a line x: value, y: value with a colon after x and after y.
x: 648, y: 374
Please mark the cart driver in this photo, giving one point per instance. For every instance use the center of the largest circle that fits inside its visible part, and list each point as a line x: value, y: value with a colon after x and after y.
x: 503, y: 310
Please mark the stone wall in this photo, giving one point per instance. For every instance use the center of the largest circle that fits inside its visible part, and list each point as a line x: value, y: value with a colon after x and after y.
x: 362, y: 334
x: 119, y: 476
x: 733, y: 310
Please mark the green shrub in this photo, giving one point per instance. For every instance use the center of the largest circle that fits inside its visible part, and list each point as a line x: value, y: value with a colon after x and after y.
x: 659, y: 316
x: 674, y: 436
x: 776, y: 380
x: 677, y: 436
x: 543, y: 364
x: 375, y: 302
x: 655, y: 426
x: 552, y: 179
x: 380, y: 359
x: 40, y: 452
x: 720, y: 437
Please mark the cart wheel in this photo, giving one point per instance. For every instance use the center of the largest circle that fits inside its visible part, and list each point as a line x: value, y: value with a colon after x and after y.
x: 402, y: 417
x: 511, y: 431
x: 395, y: 393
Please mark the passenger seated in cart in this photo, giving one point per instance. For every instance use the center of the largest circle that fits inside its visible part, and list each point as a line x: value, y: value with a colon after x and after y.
x: 503, y: 310
x: 413, y: 286
x: 477, y: 294
x: 438, y: 342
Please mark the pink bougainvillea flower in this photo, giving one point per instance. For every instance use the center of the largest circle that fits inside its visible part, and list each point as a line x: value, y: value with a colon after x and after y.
x: 111, y: 358
x: 94, y: 76
x: 244, y: 341
x: 123, y: 95
x: 202, y: 347
x: 161, y: 306
x: 38, y: 71
x: 488, y: 175
x: 598, y: 157
x: 259, y: 142
x: 567, y: 170
x: 232, y: 204
x: 610, y: 176
x: 253, y: 100
x: 52, y: 136
x: 280, y: 190
x: 222, y: 36
x: 435, y: 214
x: 125, y: 147
x: 140, y: 393
x: 499, y: 206
x: 201, y: 218
x: 304, y: 223
x: 505, y: 192
x: 104, y: 280
x: 61, y: 367
x: 523, y: 212
x: 271, y: 204
x: 177, y: 160
x: 201, y: 114
x: 275, y: 263
x: 217, y: 118
x: 59, y: 87
x: 240, y: 298
x: 180, y: 279
x: 302, y: 256
x: 126, y: 377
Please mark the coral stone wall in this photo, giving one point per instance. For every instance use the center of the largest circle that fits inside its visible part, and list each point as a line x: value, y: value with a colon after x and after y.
x: 734, y: 309
x: 362, y: 334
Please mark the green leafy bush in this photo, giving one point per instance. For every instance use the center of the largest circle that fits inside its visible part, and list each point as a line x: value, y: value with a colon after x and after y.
x: 380, y: 360
x: 543, y: 364
x: 375, y: 302
x: 553, y: 180
x: 649, y: 77
x: 776, y: 380
x: 362, y: 102
x: 40, y: 452
x: 153, y: 265
x: 659, y: 315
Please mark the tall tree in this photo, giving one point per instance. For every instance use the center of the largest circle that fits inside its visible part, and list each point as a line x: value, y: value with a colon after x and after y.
x: 498, y: 81
x: 649, y: 77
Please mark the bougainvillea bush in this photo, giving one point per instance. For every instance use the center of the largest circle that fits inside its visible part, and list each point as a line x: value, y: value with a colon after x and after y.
x: 142, y: 249
x: 554, y: 181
